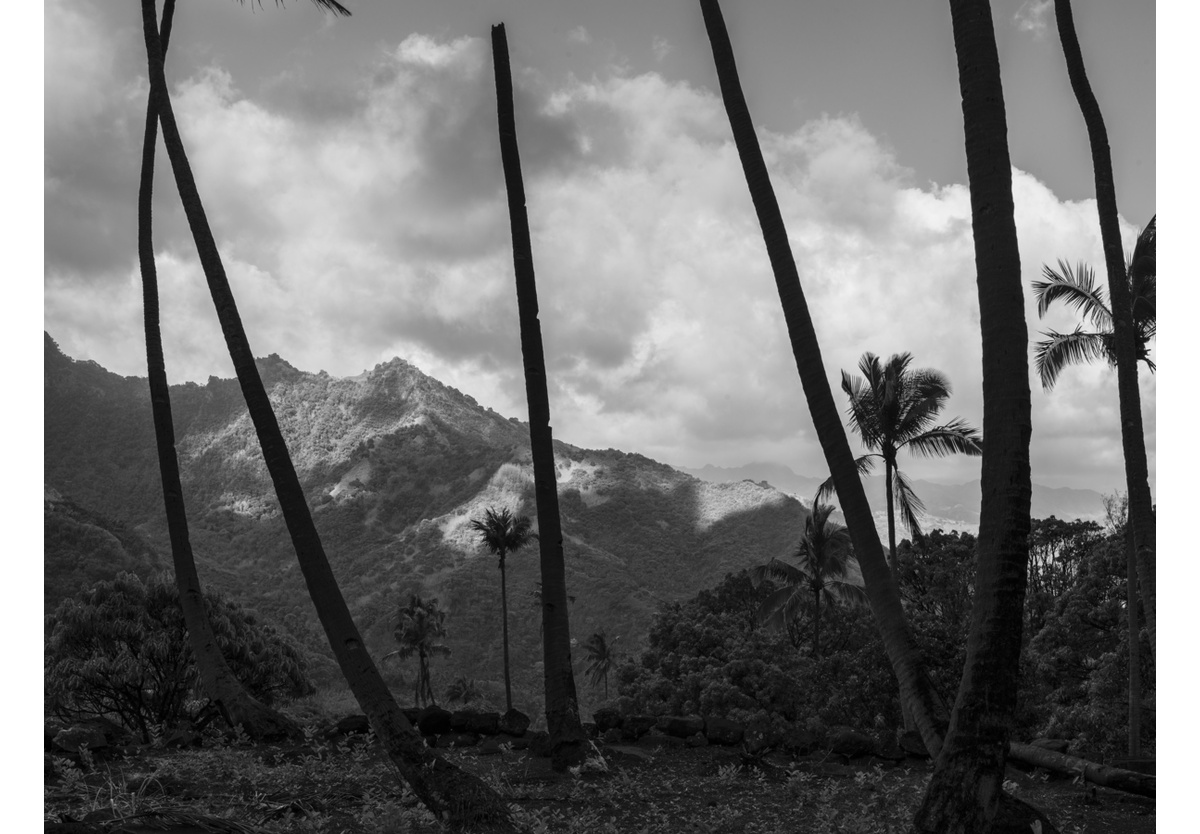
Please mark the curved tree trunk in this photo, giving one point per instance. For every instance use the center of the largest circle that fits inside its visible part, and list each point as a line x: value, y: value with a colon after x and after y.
x: 236, y: 704
x: 504, y: 622
x: 891, y: 511
x: 916, y: 688
x: 1133, y: 438
x: 1135, y: 660
x: 567, y: 738
x: 452, y: 794
x: 964, y: 794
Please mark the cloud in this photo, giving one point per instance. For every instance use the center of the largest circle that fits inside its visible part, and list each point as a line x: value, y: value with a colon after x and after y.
x: 579, y: 35
x: 1033, y: 16
x: 385, y: 232
x: 660, y: 47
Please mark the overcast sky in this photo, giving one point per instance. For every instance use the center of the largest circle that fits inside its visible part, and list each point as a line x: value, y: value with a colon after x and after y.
x: 351, y: 171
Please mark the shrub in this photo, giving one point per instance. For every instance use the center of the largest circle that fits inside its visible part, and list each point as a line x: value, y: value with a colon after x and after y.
x: 121, y: 649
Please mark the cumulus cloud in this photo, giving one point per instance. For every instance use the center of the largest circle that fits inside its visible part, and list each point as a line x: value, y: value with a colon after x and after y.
x: 579, y: 35
x: 1034, y: 16
x: 385, y: 232
x: 660, y: 47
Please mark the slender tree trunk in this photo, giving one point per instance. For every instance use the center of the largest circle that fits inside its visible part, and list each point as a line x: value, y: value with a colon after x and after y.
x: 965, y: 794
x: 916, y: 688
x: 567, y: 739
x: 1133, y: 438
x: 1135, y: 665
x: 891, y: 511
x: 453, y: 795
x: 504, y: 621
x: 236, y: 704
x: 817, y: 623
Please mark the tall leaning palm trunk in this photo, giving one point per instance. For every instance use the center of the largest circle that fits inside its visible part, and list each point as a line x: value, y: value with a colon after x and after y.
x: 236, y: 704
x: 916, y: 689
x: 1133, y: 438
x: 965, y: 793
x: 567, y: 738
x: 452, y: 794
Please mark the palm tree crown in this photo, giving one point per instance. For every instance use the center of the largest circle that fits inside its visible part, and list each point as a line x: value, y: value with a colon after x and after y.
x: 601, y: 658
x: 1078, y: 288
x: 823, y: 563
x: 502, y: 532
x: 891, y: 408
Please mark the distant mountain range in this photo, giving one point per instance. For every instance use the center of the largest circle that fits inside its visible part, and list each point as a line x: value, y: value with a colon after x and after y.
x: 395, y: 465
x: 948, y: 506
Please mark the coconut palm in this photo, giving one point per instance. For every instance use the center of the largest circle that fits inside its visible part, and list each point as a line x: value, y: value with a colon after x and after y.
x: 1077, y: 288
x: 892, y: 408
x: 1124, y: 320
x: 232, y: 700
x: 965, y: 792
x: 601, y: 657
x: 419, y: 625
x: 916, y: 687
x: 823, y: 561
x: 567, y: 739
x: 451, y: 794
x: 503, y: 533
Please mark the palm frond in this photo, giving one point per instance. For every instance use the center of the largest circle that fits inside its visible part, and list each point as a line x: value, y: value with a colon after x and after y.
x: 1077, y: 288
x: 955, y: 437
x: 911, y: 507
x: 782, y: 605
x: 1062, y: 349
x: 777, y: 570
x: 841, y: 591
x: 324, y: 5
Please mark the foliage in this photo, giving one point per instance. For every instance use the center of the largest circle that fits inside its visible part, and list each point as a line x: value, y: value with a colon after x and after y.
x: 418, y: 627
x: 121, y: 649
x: 462, y: 691
x: 601, y: 658
x: 824, y: 556
x: 503, y: 532
x: 1077, y: 288
x: 892, y: 407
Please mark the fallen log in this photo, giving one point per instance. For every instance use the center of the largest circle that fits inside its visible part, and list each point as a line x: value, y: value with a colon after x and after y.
x: 1107, y: 777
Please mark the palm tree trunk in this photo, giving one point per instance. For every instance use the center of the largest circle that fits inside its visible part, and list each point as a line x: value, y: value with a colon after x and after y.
x: 891, y: 511
x: 1135, y: 666
x: 817, y: 623
x: 451, y: 794
x: 567, y: 739
x: 964, y: 794
x: 915, y: 685
x: 504, y: 622
x: 1133, y: 438
x: 236, y: 704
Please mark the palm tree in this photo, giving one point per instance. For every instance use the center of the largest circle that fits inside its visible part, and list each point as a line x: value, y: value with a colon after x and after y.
x: 1124, y: 328
x: 601, y: 658
x: 1077, y: 288
x: 567, y: 739
x: 503, y: 533
x: 450, y: 793
x: 965, y: 792
x: 916, y: 687
x: 462, y: 690
x: 418, y: 627
x: 892, y: 408
x: 235, y: 703
x: 823, y: 558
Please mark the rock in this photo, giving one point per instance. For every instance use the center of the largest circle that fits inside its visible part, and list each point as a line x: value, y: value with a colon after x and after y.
x: 697, y: 740
x: 723, y: 731
x: 607, y: 718
x: 483, y: 723
x: 489, y: 746
x: 680, y: 726
x: 72, y: 738
x: 412, y: 714
x: 912, y: 744
x: 889, y: 749
x: 514, y: 723
x: 851, y: 743
x: 612, y: 735
x: 659, y: 738
x: 352, y: 724
x: 1057, y: 745
x: 636, y: 726
x: 181, y: 739
x: 800, y: 741
x: 433, y: 721
x: 1016, y: 816
x: 514, y: 742
x: 448, y: 740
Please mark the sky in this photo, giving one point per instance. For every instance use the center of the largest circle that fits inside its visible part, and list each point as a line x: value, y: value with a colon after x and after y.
x: 351, y: 170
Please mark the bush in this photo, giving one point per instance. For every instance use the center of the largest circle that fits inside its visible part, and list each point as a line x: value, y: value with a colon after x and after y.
x: 121, y: 649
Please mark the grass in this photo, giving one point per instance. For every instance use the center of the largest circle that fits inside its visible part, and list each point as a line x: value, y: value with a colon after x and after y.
x: 322, y: 787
